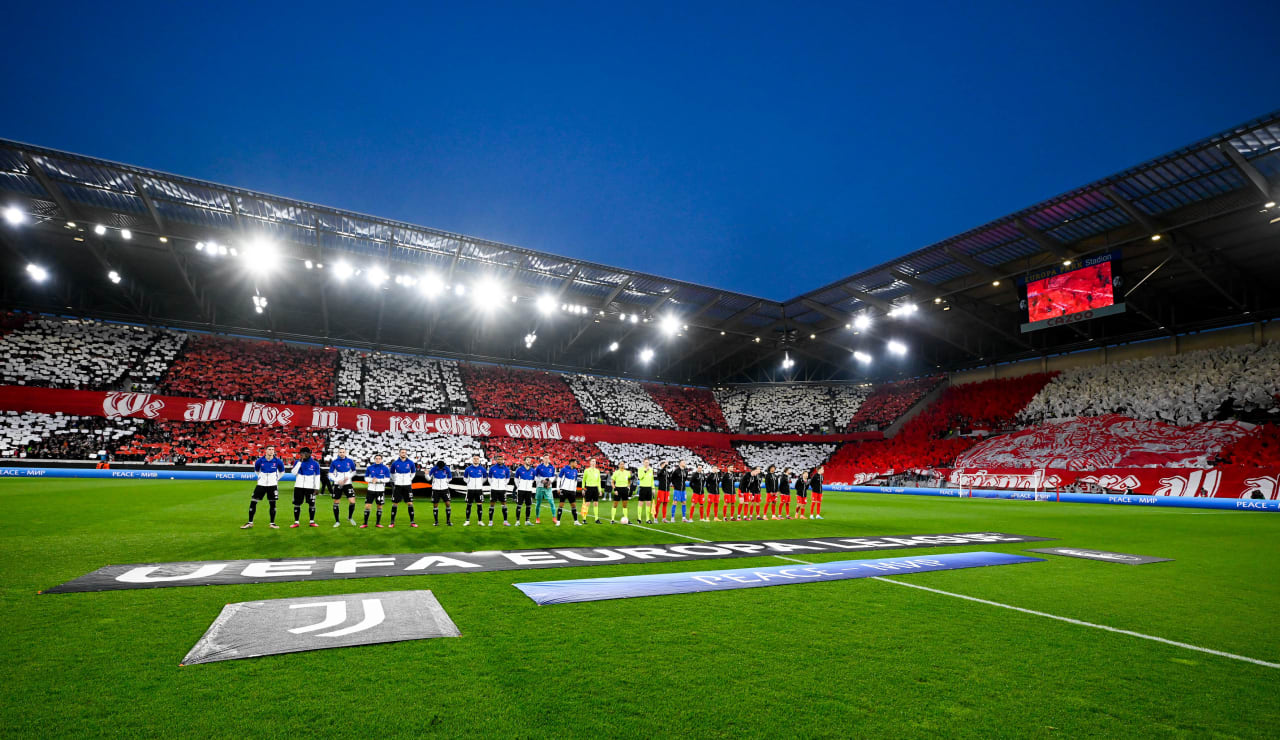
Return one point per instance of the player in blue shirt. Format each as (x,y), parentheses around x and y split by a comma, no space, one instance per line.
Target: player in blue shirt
(402,471)
(269,469)
(376,478)
(545,477)
(499,480)
(342,472)
(525,480)
(440,476)
(568,485)
(306,485)
(473,475)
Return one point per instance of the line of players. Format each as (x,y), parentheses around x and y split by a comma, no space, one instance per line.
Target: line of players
(706,493)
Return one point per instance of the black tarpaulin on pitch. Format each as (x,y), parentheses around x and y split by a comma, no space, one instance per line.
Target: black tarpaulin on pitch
(251,629)
(235,572)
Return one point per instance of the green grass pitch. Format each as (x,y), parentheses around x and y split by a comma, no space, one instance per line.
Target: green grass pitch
(842,659)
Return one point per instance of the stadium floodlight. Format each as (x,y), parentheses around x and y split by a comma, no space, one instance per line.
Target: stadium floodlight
(622,317)
(199,246)
(72,225)
(164,240)
(514,298)
(99,229)
(613,346)
(1066,263)
(37,273)
(1269,204)
(646,354)
(14,216)
(309,264)
(634,318)
(670,325)
(261,253)
(377,276)
(460,289)
(489,293)
(114,277)
(896,347)
(126,234)
(862,357)
(995,283)
(546,304)
(341,270)
(787,362)
(529,339)
(1155,237)
(862,322)
(906,309)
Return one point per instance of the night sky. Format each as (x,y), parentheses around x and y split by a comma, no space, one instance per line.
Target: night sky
(764,148)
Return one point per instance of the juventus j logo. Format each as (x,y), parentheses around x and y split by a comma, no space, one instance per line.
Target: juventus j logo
(336,613)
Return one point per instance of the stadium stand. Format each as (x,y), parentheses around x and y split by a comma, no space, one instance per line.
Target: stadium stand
(782,409)
(1260,449)
(620,402)
(350,380)
(796,456)
(694,409)
(226,442)
(10,320)
(58,437)
(720,457)
(424,448)
(77,353)
(405,383)
(145,374)
(889,401)
(509,393)
(245,370)
(1179,389)
(845,402)
(733,405)
(561,451)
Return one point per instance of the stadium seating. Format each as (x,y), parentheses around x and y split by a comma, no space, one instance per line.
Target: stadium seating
(406,383)
(694,409)
(80,354)
(788,409)
(59,437)
(1177,389)
(889,401)
(10,320)
(1260,449)
(246,370)
(719,457)
(561,451)
(424,448)
(510,393)
(225,442)
(145,374)
(617,401)
(350,379)
(795,456)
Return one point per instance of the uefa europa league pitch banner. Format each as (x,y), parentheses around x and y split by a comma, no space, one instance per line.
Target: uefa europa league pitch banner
(236,572)
(251,629)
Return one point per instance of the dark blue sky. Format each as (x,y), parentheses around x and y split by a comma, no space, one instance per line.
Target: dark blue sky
(766,148)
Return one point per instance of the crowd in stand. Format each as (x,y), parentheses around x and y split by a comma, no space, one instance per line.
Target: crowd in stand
(694,409)
(562,450)
(224,442)
(510,393)
(404,383)
(790,409)
(785,455)
(425,448)
(1178,389)
(889,401)
(619,402)
(1261,449)
(79,353)
(349,383)
(244,370)
(59,437)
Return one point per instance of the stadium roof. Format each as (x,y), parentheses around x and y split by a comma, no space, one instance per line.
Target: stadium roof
(1201,249)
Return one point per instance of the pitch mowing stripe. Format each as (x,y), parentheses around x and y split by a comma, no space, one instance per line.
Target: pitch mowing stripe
(1069,620)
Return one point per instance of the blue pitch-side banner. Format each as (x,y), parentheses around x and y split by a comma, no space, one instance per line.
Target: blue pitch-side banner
(130,474)
(1178,502)
(661,584)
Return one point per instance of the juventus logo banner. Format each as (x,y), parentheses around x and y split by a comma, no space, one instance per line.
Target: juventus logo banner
(251,629)
(236,572)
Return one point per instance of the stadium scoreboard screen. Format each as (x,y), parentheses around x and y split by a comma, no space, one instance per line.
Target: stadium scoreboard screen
(1064,294)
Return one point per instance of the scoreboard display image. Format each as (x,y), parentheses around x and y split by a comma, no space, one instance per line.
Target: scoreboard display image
(1066,294)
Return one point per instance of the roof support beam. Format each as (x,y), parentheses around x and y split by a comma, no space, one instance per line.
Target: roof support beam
(564,286)
(981,268)
(1250,172)
(1043,240)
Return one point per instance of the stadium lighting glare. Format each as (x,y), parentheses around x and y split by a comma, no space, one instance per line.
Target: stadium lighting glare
(813,336)
(905,309)
(261,254)
(757,339)
(341,270)
(377,276)
(223,250)
(613,347)
(862,357)
(514,299)
(489,294)
(787,362)
(460,289)
(199,246)
(309,264)
(546,304)
(529,339)
(863,321)
(99,229)
(14,216)
(1155,237)
(1269,204)
(37,273)
(670,325)
(897,348)
(164,240)
(126,234)
(635,319)
(259,302)
(622,317)
(114,277)
(72,225)
(646,354)
(995,283)
(722,334)
(1066,263)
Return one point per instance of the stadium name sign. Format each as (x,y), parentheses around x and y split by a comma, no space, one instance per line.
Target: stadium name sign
(121,405)
(236,572)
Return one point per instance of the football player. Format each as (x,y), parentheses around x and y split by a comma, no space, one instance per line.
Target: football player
(269,469)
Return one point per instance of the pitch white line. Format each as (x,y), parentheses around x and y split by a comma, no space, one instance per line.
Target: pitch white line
(1068,620)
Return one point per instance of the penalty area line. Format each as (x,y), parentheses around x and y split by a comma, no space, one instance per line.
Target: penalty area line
(1068,620)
